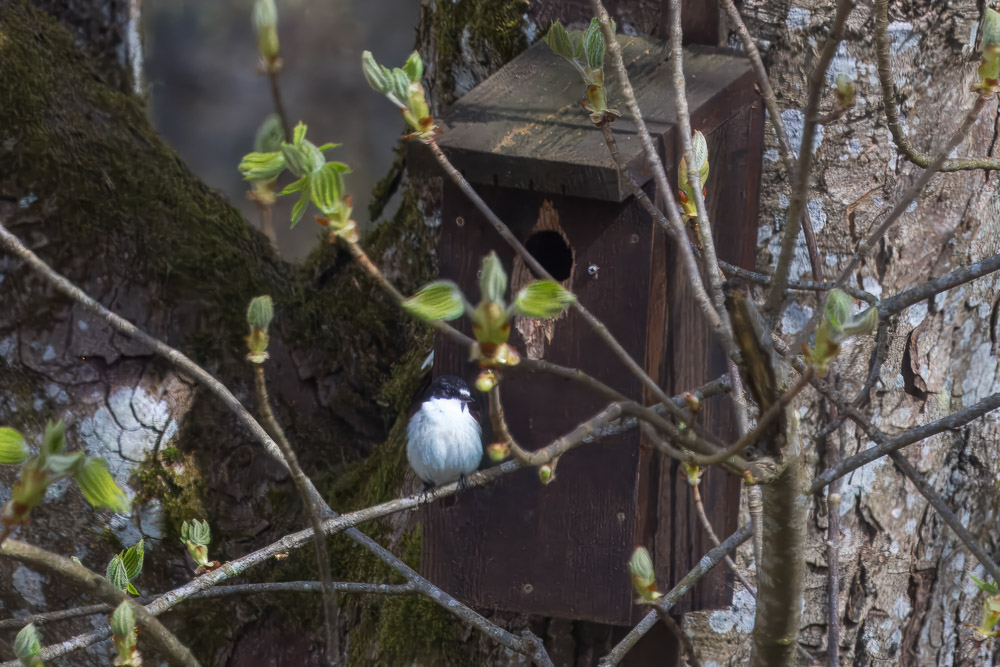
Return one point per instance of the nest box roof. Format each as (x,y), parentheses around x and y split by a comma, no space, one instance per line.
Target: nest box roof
(524,127)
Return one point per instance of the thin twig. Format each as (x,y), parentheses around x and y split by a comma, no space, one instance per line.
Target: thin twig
(866,245)
(663,189)
(96,585)
(682,637)
(833,558)
(886,81)
(946,513)
(799,285)
(525,644)
(598,327)
(264,588)
(673,228)
(765,420)
(13,245)
(706,525)
(664,604)
(903,300)
(800,183)
(703,227)
(951,422)
(774,116)
(331,614)
(279,108)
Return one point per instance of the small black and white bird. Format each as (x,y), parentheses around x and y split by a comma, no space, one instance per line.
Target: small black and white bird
(444,439)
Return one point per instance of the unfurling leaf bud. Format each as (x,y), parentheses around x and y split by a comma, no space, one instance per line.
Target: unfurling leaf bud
(27,646)
(55,438)
(486,381)
(845,91)
(260,312)
(99,487)
(545,474)
(376,75)
(123,620)
(196,536)
(692,473)
(559,41)
(543,299)
(124,635)
(492,279)
(490,324)
(498,451)
(414,67)
(436,301)
(265,21)
(643,576)
(692,401)
(12,447)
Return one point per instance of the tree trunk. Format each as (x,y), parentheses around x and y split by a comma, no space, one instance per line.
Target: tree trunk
(89,186)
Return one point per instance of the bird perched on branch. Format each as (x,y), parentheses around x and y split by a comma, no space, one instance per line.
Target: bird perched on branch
(444,439)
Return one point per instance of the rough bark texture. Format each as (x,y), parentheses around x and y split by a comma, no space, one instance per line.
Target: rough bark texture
(90,187)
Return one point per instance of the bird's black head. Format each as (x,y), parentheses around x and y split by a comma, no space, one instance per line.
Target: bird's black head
(449,386)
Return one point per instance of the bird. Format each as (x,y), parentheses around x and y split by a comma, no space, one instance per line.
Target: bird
(444,439)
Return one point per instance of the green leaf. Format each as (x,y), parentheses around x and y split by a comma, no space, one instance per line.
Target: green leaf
(862,324)
(375,74)
(265,14)
(299,133)
(985,586)
(269,135)
(492,279)
(340,167)
(440,300)
(544,298)
(559,41)
(593,45)
(133,557)
(12,447)
(990,28)
(400,85)
(55,437)
(116,573)
(300,207)
(414,67)
(838,308)
(327,188)
(299,159)
(27,645)
(699,150)
(260,312)
(196,532)
(296,186)
(262,166)
(328,146)
(63,464)
(123,620)
(132,589)
(99,488)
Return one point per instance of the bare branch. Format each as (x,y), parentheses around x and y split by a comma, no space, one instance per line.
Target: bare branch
(952,421)
(599,328)
(330,610)
(683,639)
(800,285)
(903,300)
(102,589)
(664,604)
(938,503)
(886,80)
(800,188)
(218,592)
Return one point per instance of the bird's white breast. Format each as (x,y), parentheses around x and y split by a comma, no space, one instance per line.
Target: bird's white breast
(444,441)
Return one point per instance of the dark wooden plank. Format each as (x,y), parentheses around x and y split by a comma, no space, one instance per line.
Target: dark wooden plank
(733,197)
(562,549)
(524,128)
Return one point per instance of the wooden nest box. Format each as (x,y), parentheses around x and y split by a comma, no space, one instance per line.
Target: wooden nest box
(522,139)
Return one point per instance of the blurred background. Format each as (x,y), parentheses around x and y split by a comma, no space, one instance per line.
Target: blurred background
(207,99)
